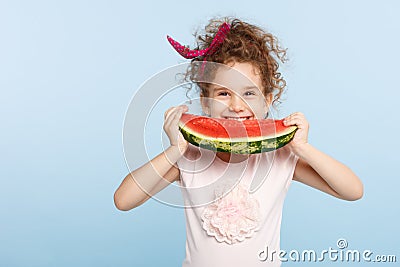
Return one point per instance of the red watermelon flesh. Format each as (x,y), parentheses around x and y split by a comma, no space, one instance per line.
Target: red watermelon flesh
(219,128)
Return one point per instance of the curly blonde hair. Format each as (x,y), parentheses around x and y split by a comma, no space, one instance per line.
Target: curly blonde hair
(244,43)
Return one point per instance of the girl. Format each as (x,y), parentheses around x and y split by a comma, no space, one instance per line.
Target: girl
(227,223)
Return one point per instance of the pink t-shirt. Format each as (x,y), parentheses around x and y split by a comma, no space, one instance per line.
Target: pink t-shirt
(234,210)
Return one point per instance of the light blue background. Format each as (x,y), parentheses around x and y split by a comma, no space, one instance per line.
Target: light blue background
(68,70)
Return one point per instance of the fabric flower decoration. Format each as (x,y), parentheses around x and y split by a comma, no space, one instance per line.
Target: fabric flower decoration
(232,218)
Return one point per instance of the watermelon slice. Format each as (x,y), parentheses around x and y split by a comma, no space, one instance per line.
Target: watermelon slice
(239,137)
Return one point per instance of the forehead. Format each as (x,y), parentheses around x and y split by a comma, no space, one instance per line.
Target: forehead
(237,77)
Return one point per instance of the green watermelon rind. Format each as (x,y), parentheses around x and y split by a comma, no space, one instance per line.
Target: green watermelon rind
(241,147)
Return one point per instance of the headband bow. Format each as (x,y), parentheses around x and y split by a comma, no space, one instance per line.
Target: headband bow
(193,53)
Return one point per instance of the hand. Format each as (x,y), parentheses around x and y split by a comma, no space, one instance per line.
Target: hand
(171,128)
(301,135)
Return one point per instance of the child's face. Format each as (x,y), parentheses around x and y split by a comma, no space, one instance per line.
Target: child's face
(236,94)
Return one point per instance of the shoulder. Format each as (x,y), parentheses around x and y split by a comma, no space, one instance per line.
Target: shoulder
(285,154)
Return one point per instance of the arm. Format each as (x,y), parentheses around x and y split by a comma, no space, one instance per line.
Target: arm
(171,176)
(139,185)
(324,173)
(319,170)
(152,177)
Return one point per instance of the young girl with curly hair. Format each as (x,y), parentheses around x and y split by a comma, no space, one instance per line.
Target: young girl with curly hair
(229,223)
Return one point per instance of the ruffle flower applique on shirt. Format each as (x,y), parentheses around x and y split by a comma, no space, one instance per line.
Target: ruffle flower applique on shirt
(233,218)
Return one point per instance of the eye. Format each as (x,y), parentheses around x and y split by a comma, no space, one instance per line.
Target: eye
(249,93)
(223,93)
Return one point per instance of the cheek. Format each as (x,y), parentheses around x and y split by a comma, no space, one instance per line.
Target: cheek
(218,103)
(256,104)
(258,108)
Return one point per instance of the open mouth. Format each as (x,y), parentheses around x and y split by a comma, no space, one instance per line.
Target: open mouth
(239,118)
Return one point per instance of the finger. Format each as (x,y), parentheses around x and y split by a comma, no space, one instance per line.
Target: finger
(168,122)
(168,119)
(291,119)
(173,117)
(295,114)
(177,116)
(299,122)
(185,108)
(172,114)
(173,125)
(168,112)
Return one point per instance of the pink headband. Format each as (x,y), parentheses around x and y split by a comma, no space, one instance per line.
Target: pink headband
(216,42)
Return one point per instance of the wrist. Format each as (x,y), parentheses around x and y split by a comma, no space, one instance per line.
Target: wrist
(302,150)
(174,152)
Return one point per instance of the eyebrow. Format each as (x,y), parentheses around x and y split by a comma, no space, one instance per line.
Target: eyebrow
(244,88)
(251,87)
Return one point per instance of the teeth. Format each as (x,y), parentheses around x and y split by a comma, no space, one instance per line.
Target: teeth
(238,119)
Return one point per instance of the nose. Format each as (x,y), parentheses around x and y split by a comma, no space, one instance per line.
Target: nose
(236,104)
